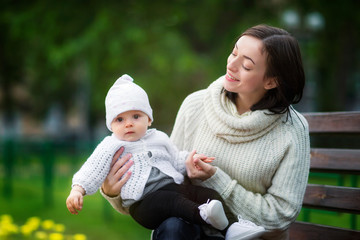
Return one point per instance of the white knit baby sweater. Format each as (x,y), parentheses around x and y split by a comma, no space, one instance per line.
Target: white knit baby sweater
(163,155)
(262,159)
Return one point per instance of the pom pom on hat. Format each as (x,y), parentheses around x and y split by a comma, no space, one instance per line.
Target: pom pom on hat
(125,96)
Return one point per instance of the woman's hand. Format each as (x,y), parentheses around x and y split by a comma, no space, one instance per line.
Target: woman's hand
(118,175)
(196,168)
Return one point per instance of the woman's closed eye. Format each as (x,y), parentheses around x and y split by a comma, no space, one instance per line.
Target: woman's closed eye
(246,68)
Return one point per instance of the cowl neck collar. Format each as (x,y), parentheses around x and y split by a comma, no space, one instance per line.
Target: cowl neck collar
(235,129)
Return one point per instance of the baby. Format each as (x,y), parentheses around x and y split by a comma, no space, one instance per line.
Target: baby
(155,190)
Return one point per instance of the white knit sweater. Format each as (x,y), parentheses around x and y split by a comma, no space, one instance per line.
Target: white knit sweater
(164,156)
(262,160)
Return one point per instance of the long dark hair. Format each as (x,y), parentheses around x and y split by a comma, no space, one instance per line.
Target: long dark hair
(284,63)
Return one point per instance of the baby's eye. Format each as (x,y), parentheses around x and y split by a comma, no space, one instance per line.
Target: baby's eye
(119,119)
(136,116)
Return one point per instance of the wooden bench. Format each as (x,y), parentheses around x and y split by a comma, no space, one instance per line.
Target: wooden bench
(342,158)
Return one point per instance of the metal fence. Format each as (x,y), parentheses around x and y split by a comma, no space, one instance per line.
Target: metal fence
(46,152)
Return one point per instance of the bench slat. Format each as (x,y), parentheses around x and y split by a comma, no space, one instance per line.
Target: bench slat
(310,231)
(339,129)
(333,122)
(334,198)
(335,160)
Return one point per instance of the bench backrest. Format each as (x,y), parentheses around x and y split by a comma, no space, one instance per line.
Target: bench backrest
(338,159)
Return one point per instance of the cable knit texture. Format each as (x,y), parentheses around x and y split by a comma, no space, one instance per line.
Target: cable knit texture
(164,156)
(262,159)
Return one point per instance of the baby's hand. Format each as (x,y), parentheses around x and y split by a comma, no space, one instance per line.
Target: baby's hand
(204,158)
(74,202)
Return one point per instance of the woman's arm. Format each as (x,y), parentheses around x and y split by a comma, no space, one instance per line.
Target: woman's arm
(116,179)
(279,206)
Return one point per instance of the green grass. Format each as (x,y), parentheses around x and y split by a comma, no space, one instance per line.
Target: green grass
(97,220)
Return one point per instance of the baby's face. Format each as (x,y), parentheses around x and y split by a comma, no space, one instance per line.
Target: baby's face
(131,125)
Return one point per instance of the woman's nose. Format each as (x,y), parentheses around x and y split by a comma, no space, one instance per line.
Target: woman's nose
(232,64)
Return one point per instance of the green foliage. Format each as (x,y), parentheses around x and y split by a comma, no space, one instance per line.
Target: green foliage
(58,50)
(64,48)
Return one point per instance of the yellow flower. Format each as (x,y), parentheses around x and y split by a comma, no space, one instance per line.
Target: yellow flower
(40,235)
(9,228)
(31,225)
(5,218)
(59,227)
(3,233)
(79,237)
(47,224)
(26,230)
(34,222)
(56,236)
(51,231)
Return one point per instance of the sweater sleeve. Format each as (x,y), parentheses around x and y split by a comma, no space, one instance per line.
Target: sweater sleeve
(116,203)
(281,204)
(94,171)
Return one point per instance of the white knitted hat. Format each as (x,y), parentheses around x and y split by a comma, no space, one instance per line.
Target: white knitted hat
(124,96)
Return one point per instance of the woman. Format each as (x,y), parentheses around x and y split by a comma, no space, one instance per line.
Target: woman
(245,120)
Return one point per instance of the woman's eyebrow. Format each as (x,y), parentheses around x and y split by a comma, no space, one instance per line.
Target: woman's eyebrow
(249,58)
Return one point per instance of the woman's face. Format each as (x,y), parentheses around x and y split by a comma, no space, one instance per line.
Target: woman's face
(246,67)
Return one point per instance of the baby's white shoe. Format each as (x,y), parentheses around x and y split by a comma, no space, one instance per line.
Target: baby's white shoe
(244,230)
(213,213)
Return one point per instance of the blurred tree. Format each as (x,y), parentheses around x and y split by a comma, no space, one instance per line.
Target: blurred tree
(63,52)
(170,49)
(335,52)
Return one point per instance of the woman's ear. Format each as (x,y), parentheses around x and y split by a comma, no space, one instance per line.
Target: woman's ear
(270,83)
